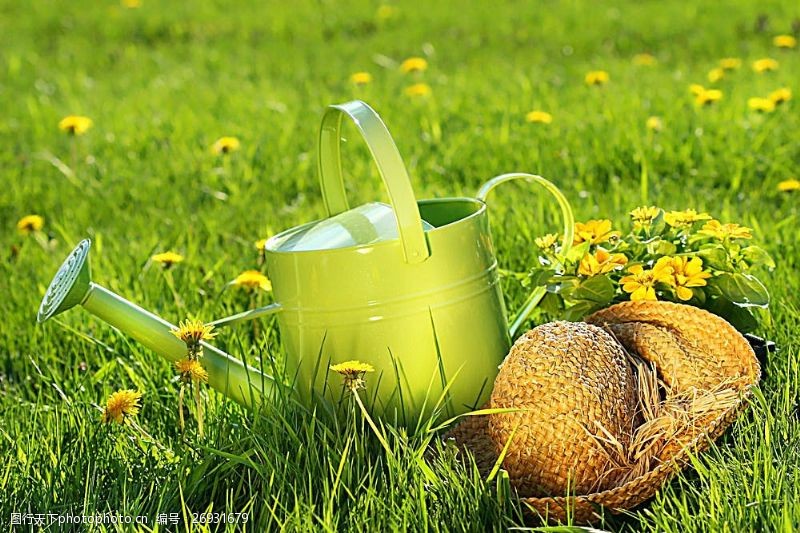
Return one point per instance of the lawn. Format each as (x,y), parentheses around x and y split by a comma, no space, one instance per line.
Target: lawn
(163,81)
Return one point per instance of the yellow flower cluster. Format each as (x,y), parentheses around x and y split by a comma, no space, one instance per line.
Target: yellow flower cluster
(594,232)
(680,273)
(601,262)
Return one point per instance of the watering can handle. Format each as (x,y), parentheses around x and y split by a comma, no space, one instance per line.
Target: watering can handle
(569,231)
(390,166)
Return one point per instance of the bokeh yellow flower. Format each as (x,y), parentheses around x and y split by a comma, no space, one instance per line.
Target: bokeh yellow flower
(784,41)
(762,105)
(132,4)
(191,332)
(641,283)
(594,232)
(541,117)
(30,223)
(167,259)
(645,60)
(779,96)
(414,64)
(789,185)
(546,242)
(252,279)
(696,89)
(730,63)
(644,216)
(716,74)
(353,372)
(601,262)
(225,145)
(260,244)
(713,228)
(75,124)
(418,90)
(191,370)
(708,96)
(682,219)
(360,78)
(385,12)
(686,273)
(654,124)
(597,77)
(766,64)
(121,405)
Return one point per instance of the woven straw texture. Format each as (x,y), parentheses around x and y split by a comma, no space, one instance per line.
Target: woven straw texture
(691,349)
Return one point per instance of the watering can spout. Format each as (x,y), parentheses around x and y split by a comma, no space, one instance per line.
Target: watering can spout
(72,286)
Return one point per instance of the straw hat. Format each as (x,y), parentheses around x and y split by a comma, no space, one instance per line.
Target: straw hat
(689,373)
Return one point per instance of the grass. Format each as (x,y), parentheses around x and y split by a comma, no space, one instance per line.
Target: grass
(164,81)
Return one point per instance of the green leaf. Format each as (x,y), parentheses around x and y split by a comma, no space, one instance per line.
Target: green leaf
(598,289)
(756,256)
(715,256)
(739,317)
(742,289)
(576,253)
(581,309)
(552,304)
(540,276)
(661,247)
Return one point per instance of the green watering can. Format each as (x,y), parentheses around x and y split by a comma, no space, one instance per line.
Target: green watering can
(411,288)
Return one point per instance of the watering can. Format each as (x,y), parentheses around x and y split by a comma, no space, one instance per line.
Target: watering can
(410,287)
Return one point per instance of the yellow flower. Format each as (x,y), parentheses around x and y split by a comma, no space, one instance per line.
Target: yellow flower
(385,12)
(546,242)
(789,185)
(121,404)
(602,262)
(784,41)
(645,60)
(542,117)
(716,74)
(596,77)
(654,124)
(191,370)
(414,64)
(682,219)
(191,332)
(252,279)
(644,216)
(779,96)
(765,65)
(686,273)
(30,223)
(132,4)
(225,145)
(762,105)
(353,372)
(594,232)
(730,63)
(260,244)
(641,283)
(696,89)
(75,124)
(708,96)
(361,78)
(418,90)
(713,228)
(167,259)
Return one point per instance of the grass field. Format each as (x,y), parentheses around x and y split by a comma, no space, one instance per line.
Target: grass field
(162,82)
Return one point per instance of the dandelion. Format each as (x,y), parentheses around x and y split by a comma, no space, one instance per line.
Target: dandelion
(75,124)
(654,124)
(546,242)
(730,63)
(762,105)
(644,216)
(696,89)
(252,279)
(260,244)
(414,64)
(353,372)
(708,96)
(418,90)
(602,262)
(360,78)
(644,60)
(594,232)
(715,75)
(682,219)
(784,41)
(132,4)
(167,259)
(596,77)
(192,332)
(641,283)
(791,185)
(779,96)
(686,273)
(191,370)
(540,117)
(713,228)
(225,145)
(766,64)
(30,223)
(121,405)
